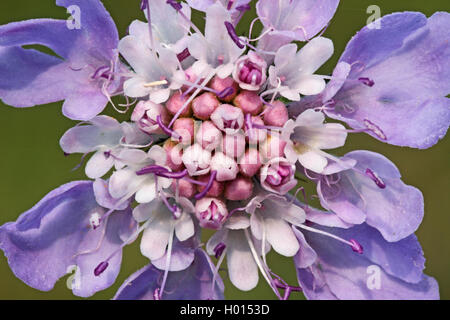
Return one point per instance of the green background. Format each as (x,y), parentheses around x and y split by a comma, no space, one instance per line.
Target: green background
(32,163)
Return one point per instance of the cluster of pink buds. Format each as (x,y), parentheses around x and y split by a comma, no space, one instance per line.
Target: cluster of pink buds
(223,141)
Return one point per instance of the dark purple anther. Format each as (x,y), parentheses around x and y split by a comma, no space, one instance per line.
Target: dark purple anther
(151,169)
(230,4)
(143,5)
(172,175)
(177,6)
(100,72)
(356,246)
(183,55)
(225,92)
(233,35)
(375,178)
(218,250)
(166,130)
(367,81)
(101,268)
(212,177)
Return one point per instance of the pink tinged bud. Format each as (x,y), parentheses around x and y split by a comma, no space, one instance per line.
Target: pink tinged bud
(175,102)
(276,115)
(196,160)
(173,155)
(101,268)
(211,212)
(228,118)
(233,145)
(250,163)
(240,188)
(216,189)
(184,127)
(227,169)
(185,188)
(219,85)
(250,71)
(208,136)
(278,176)
(249,102)
(254,135)
(273,147)
(204,105)
(145,114)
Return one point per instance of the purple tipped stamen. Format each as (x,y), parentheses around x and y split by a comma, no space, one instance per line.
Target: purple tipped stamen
(143,4)
(233,35)
(375,178)
(356,246)
(230,4)
(177,6)
(101,268)
(212,177)
(367,81)
(243,8)
(167,130)
(218,250)
(152,169)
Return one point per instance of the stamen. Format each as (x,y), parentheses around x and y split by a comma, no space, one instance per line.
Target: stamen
(151,169)
(243,8)
(212,177)
(367,81)
(375,129)
(233,35)
(177,6)
(172,175)
(149,20)
(375,178)
(101,268)
(166,130)
(183,55)
(218,250)
(168,258)
(225,92)
(352,242)
(230,4)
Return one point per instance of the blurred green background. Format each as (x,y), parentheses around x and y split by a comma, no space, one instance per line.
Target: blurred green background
(32,163)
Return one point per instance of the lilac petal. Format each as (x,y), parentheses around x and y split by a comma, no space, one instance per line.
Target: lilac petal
(104,198)
(396,211)
(313,284)
(346,273)
(42,245)
(194,283)
(181,258)
(293,20)
(306,255)
(29,77)
(407,104)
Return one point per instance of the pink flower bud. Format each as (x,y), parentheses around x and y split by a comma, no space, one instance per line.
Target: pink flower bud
(227,168)
(185,128)
(228,118)
(250,71)
(196,160)
(276,115)
(233,145)
(250,163)
(145,113)
(249,102)
(185,188)
(204,105)
(240,188)
(255,135)
(211,212)
(216,189)
(175,102)
(173,153)
(273,147)
(208,136)
(278,176)
(219,84)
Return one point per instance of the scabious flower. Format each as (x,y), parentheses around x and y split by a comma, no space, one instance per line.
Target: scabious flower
(223,136)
